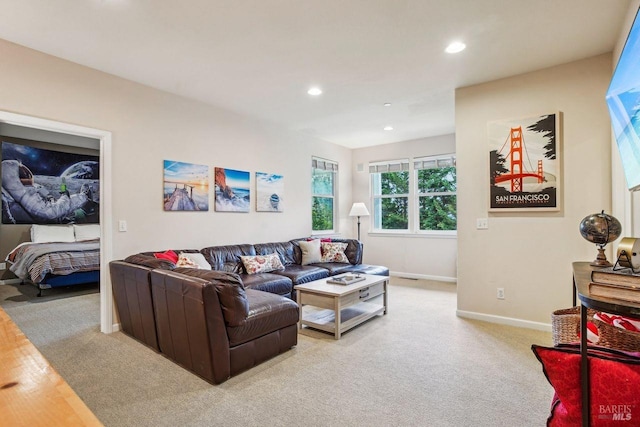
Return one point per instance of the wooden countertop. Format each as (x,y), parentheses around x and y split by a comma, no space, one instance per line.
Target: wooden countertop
(32,393)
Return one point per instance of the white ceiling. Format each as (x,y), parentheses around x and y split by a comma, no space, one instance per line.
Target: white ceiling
(259,57)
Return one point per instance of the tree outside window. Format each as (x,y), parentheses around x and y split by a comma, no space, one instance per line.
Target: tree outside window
(390,190)
(323,194)
(437,198)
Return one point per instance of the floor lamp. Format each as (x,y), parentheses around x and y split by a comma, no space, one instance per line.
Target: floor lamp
(359,209)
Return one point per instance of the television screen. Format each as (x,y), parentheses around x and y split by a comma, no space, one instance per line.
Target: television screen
(623,100)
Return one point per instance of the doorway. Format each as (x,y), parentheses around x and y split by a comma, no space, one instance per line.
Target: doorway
(106,298)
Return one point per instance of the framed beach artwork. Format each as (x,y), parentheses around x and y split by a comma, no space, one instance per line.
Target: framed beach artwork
(186,186)
(269,192)
(233,193)
(525,164)
(41,186)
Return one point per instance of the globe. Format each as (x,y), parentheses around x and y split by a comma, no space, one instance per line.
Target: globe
(600,228)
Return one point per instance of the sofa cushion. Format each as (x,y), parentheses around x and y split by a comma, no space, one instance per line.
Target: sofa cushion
(268,282)
(285,250)
(197,258)
(231,293)
(227,258)
(303,273)
(262,263)
(333,252)
(267,313)
(169,255)
(311,252)
(335,267)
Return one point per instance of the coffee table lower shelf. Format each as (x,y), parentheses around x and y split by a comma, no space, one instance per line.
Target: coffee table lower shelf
(324,319)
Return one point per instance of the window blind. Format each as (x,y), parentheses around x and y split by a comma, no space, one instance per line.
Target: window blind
(327,165)
(434,162)
(389,166)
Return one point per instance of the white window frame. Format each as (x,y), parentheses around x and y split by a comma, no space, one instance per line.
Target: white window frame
(331,166)
(397,165)
(412,165)
(431,162)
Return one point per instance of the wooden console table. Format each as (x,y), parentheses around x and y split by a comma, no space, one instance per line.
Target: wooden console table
(32,393)
(581,278)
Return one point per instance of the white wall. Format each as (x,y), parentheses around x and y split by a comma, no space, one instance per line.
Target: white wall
(409,256)
(149,126)
(530,254)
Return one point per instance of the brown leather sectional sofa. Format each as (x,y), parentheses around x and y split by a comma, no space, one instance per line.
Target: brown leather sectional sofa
(220,322)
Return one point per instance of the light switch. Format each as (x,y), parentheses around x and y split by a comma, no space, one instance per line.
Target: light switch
(482,223)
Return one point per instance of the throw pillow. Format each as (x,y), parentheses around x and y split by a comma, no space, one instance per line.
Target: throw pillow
(169,255)
(198,259)
(334,252)
(183,261)
(262,263)
(86,232)
(310,251)
(52,233)
(614,377)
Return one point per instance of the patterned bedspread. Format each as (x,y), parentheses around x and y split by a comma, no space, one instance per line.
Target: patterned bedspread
(35,260)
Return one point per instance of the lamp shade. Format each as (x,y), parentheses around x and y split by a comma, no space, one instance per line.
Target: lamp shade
(359,209)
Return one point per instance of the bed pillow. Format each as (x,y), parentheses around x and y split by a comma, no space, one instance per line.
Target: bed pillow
(168,255)
(310,251)
(183,261)
(614,377)
(86,232)
(52,233)
(334,252)
(197,258)
(262,263)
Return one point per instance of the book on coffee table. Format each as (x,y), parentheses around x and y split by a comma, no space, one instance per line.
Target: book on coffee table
(346,279)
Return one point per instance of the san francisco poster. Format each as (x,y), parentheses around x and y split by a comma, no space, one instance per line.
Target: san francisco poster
(524,164)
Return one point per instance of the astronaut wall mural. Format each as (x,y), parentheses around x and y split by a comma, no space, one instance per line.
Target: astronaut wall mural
(49,187)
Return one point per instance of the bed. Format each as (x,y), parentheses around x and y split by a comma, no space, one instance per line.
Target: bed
(58,256)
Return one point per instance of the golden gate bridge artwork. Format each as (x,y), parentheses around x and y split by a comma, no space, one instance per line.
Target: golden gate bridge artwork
(524,163)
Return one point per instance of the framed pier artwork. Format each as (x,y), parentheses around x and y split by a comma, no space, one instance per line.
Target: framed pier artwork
(186,186)
(525,164)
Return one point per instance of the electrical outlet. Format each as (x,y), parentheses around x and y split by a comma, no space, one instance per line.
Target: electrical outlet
(500,294)
(3,265)
(122,225)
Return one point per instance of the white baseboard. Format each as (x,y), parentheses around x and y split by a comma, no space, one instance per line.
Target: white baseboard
(10,281)
(423,276)
(115,327)
(504,320)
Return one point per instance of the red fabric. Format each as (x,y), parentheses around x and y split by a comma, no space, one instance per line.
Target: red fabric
(615,382)
(168,255)
(324,239)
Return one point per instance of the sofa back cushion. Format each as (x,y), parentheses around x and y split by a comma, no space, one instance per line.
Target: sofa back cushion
(285,251)
(227,258)
(230,289)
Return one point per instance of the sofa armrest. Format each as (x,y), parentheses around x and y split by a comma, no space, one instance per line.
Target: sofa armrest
(190,324)
(230,289)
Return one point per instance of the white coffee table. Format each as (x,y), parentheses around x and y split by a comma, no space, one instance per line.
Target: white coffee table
(338,308)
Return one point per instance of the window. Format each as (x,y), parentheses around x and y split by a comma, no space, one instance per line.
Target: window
(419,201)
(323,189)
(390,192)
(436,193)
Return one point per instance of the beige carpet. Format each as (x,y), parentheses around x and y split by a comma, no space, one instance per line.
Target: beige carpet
(419,365)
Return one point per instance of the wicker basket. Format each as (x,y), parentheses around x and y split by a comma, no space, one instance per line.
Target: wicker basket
(565,325)
(617,338)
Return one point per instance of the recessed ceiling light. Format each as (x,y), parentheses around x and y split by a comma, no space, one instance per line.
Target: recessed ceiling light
(455,47)
(387,104)
(387,128)
(314,91)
